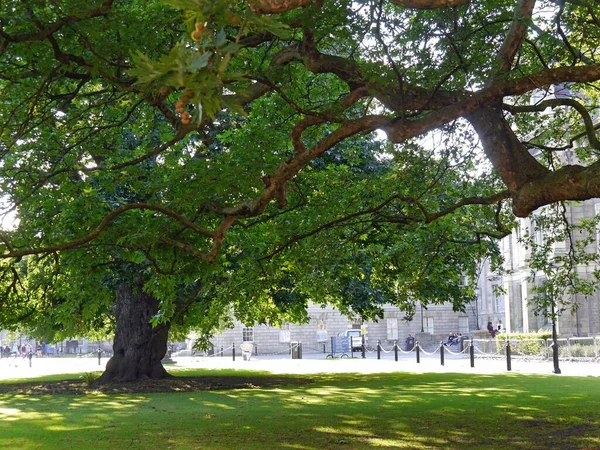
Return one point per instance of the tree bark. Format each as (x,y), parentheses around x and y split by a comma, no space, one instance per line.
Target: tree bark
(138,346)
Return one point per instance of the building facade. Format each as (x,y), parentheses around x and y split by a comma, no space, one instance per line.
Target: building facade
(428,326)
(512,304)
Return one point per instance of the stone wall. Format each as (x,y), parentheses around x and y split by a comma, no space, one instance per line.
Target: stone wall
(327,322)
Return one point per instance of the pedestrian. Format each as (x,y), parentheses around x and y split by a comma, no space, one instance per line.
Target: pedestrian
(491,329)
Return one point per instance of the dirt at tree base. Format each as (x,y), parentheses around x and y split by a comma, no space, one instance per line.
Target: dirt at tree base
(175,384)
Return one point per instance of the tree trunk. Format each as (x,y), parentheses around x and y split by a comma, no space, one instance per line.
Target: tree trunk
(138,347)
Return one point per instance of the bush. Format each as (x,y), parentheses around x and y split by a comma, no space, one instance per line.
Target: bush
(90,377)
(532,344)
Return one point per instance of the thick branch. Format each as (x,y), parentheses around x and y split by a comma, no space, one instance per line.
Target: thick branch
(508,155)
(276,6)
(430,4)
(590,130)
(515,36)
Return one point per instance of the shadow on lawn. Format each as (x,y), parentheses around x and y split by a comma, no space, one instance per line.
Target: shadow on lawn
(345,411)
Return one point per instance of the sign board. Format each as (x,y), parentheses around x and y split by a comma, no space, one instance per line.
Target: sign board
(340,344)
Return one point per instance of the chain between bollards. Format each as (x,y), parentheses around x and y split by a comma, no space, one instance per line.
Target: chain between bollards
(442,353)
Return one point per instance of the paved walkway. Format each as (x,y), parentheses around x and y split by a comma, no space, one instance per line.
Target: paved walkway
(19,368)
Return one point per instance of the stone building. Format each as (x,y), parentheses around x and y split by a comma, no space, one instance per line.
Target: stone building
(513,307)
(429,326)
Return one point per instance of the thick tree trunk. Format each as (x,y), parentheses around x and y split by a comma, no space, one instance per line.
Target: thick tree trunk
(138,347)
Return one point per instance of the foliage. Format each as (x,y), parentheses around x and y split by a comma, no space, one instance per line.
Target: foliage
(233,161)
(557,247)
(534,344)
(90,377)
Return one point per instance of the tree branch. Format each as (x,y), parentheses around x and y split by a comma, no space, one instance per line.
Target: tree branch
(514,37)
(590,130)
(103,225)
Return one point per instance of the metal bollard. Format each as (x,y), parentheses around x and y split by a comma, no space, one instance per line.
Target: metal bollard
(233,351)
(363,347)
(378,349)
(442,353)
(99,357)
(255,349)
(508,362)
(418,351)
(396,350)
(30,355)
(222,351)
(472,353)
(299,350)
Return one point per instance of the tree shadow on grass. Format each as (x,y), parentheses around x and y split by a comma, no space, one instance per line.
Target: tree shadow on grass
(345,411)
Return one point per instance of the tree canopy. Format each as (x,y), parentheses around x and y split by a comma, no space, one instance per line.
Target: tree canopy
(215,153)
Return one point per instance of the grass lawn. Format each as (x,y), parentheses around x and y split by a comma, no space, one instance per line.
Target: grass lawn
(341,411)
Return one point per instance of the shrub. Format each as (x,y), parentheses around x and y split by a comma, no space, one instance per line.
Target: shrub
(90,377)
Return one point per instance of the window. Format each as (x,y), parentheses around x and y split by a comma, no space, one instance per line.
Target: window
(284,333)
(392,329)
(463,325)
(498,296)
(597,211)
(321,330)
(248,334)
(428,325)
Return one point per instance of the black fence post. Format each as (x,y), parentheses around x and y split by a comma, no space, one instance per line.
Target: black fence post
(508,361)
(442,353)
(418,351)
(222,354)
(396,350)
(30,355)
(256,349)
(299,350)
(472,352)
(233,351)
(378,349)
(332,348)
(99,356)
(363,347)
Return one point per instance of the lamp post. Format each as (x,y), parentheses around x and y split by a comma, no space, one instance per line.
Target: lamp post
(554,340)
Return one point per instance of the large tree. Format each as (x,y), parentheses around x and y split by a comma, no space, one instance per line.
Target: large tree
(138,135)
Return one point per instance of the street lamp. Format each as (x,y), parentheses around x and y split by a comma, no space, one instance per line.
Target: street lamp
(554,340)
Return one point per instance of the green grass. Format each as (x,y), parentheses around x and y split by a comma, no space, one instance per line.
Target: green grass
(341,411)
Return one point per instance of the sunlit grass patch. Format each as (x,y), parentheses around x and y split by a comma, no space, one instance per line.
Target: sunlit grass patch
(341,411)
